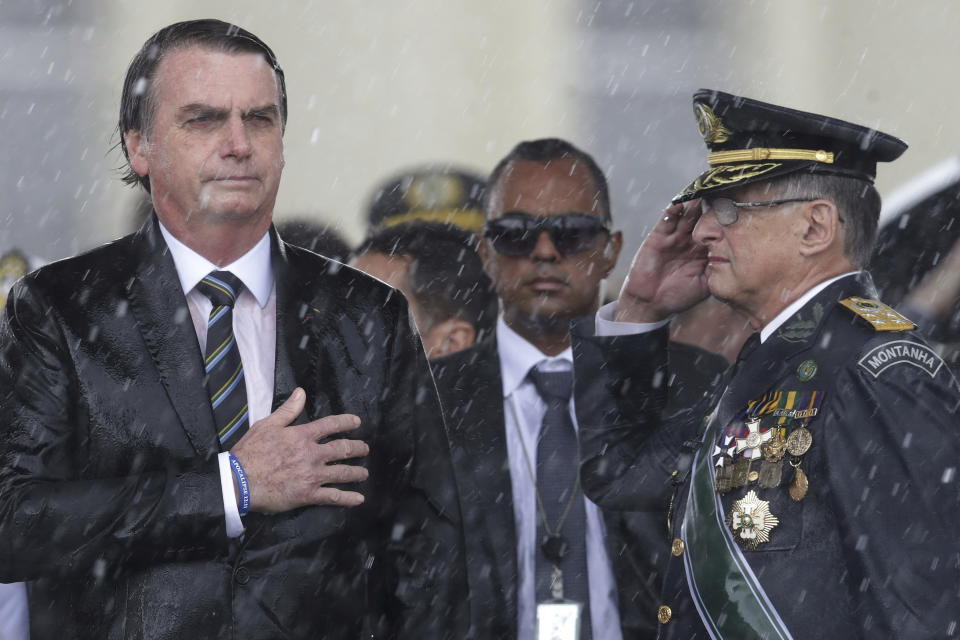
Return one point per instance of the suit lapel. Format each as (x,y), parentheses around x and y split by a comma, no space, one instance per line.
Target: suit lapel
(296,338)
(478,438)
(160,308)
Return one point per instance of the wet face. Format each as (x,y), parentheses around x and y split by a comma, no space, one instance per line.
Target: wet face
(214,153)
(751,261)
(542,291)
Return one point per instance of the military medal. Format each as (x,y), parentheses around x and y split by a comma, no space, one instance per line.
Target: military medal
(724,480)
(750,445)
(751,521)
(799,441)
(800,484)
(741,473)
(770,475)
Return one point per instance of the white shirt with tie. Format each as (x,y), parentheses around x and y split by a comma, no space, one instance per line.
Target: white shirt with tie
(254,326)
(523,414)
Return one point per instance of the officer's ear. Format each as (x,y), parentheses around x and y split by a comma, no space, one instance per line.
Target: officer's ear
(136,145)
(449,336)
(823,228)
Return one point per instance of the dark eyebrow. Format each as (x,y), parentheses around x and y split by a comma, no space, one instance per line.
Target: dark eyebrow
(271,110)
(196,109)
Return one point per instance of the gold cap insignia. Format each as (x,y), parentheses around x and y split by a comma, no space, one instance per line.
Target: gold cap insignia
(434,191)
(882,317)
(751,521)
(13,266)
(711,127)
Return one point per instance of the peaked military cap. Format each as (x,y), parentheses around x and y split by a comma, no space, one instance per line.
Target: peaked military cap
(443,195)
(750,141)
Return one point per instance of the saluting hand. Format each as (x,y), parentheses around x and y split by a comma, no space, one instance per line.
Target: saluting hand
(287,468)
(667,275)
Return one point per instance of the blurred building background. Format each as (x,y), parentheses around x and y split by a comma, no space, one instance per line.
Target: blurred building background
(378,86)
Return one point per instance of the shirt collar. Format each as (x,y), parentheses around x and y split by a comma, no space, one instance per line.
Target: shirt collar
(797,304)
(517,357)
(253,268)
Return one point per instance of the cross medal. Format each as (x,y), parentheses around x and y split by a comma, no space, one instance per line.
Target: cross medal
(750,445)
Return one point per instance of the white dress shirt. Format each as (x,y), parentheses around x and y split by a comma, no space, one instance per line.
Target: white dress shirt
(523,415)
(254,326)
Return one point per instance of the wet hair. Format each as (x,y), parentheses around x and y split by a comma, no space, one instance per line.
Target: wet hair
(543,151)
(445,275)
(137,103)
(857,201)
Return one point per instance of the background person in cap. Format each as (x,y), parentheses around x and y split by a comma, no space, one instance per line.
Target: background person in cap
(437,268)
(173,461)
(815,494)
(443,195)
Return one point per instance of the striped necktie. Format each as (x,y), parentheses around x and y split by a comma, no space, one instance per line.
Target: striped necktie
(224,370)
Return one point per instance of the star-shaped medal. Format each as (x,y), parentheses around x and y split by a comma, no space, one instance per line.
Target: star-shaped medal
(750,446)
(751,521)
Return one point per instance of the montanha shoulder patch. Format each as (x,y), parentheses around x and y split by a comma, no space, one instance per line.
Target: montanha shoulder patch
(890,354)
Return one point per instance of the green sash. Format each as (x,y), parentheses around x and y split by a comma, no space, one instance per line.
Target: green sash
(728,596)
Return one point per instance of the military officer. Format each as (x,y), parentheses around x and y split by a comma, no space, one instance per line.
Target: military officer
(814,492)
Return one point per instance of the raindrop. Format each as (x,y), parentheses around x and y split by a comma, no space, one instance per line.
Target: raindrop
(948,474)
(140,87)
(907,439)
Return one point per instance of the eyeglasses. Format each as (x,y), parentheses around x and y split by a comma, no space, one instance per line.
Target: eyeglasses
(728,211)
(516,234)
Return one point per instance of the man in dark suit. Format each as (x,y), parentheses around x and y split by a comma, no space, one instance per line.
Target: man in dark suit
(172,453)
(547,247)
(814,493)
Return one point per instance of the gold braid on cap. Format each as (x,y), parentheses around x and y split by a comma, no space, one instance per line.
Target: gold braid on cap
(761,153)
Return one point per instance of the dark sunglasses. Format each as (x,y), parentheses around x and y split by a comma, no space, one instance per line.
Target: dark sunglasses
(516,234)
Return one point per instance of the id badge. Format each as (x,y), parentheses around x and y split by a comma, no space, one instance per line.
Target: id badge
(559,620)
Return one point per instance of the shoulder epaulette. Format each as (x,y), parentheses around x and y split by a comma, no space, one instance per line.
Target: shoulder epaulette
(882,317)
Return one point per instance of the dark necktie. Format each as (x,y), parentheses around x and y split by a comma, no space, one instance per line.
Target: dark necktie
(225,384)
(561,513)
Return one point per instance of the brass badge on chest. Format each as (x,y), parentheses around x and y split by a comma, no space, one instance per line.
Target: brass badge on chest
(751,521)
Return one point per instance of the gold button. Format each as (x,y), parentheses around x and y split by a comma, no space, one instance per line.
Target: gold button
(678,547)
(664,614)
(753,476)
(821,156)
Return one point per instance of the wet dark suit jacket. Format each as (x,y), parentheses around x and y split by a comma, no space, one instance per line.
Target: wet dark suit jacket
(872,550)
(110,497)
(471,392)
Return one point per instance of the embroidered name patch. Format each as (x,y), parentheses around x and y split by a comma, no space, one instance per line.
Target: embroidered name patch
(897,352)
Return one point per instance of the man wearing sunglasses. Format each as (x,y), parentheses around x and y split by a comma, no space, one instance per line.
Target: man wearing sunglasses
(813,493)
(547,246)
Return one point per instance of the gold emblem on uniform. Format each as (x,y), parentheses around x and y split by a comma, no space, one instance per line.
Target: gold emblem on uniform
(434,191)
(882,317)
(664,614)
(751,521)
(677,547)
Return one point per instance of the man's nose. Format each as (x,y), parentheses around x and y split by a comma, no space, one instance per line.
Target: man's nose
(544,249)
(237,140)
(707,229)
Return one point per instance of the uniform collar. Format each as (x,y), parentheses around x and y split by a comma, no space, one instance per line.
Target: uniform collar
(798,304)
(253,268)
(518,356)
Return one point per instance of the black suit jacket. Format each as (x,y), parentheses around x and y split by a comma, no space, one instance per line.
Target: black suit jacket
(471,392)
(871,551)
(110,498)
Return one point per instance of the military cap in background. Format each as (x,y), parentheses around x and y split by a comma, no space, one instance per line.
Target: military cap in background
(751,141)
(14,264)
(443,195)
